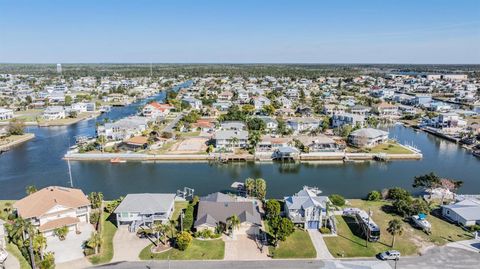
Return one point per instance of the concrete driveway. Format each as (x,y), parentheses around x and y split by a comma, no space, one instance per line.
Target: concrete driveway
(319,244)
(242,247)
(127,245)
(72,247)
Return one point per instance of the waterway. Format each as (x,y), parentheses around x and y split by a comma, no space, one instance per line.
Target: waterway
(39,162)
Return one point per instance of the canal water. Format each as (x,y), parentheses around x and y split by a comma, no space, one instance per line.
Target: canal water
(39,162)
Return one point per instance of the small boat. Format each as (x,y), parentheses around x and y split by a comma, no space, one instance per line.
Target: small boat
(421,222)
(117,160)
(476,153)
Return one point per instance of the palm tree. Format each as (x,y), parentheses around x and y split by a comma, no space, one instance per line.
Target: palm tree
(160,230)
(39,244)
(233,222)
(395,228)
(30,189)
(8,208)
(102,140)
(250,186)
(95,241)
(172,228)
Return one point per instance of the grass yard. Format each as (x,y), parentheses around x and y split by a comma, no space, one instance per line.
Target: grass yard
(13,250)
(198,250)
(350,243)
(179,206)
(106,249)
(298,245)
(390,148)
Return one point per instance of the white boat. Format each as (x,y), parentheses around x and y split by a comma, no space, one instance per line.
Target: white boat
(104,109)
(420,221)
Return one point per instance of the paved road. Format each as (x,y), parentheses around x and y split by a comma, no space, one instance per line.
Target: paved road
(171,125)
(441,257)
(436,258)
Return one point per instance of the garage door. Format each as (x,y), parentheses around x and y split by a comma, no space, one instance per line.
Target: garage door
(313,224)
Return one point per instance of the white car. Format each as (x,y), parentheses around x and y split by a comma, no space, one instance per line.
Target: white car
(389,255)
(3,255)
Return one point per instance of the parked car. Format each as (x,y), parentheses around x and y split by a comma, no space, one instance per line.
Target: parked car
(389,255)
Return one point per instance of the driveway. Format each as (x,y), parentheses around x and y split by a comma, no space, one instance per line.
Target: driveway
(319,244)
(72,247)
(127,245)
(242,247)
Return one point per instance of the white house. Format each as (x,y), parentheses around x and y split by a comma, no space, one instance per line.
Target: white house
(193,102)
(54,207)
(367,137)
(230,139)
(123,128)
(271,124)
(303,124)
(54,113)
(5,113)
(83,107)
(465,213)
(339,120)
(155,109)
(260,101)
(144,209)
(306,207)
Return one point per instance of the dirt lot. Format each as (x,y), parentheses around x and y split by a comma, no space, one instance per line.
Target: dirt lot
(190,145)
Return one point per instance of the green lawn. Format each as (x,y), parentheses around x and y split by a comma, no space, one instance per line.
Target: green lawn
(179,206)
(298,245)
(198,250)
(13,250)
(106,249)
(350,243)
(390,148)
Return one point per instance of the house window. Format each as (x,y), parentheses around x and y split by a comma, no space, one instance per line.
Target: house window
(124,214)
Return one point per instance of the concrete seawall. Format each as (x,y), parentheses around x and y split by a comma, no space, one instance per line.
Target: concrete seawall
(26,137)
(324,156)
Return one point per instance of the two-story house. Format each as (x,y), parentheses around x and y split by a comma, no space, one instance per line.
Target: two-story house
(306,207)
(144,209)
(54,207)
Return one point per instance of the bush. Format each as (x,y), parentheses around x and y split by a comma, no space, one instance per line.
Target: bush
(87,251)
(325,230)
(374,196)
(337,200)
(183,240)
(398,194)
(188,218)
(206,234)
(475,228)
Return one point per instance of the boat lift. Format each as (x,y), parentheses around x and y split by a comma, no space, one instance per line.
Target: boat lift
(186,193)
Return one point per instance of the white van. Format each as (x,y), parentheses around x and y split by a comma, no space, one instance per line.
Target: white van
(390,255)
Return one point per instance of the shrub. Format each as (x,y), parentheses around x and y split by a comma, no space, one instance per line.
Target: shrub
(206,234)
(337,199)
(325,230)
(398,194)
(61,232)
(188,218)
(87,251)
(374,196)
(183,240)
(475,228)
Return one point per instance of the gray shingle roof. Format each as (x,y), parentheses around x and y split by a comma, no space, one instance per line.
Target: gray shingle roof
(212,213)
(146,203)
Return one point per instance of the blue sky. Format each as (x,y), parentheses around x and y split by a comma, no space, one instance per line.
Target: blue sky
(234,31)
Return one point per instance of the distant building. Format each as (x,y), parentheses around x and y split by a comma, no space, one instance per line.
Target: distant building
(6,114)
(59,68)
(367,137)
